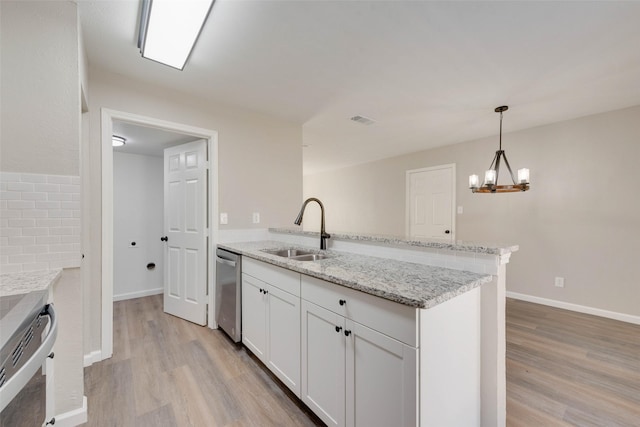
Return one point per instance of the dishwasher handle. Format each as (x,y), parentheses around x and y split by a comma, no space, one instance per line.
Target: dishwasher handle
(226,262)
(14,384)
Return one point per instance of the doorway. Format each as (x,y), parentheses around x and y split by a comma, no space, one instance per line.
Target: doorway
(111,119)
(431,199)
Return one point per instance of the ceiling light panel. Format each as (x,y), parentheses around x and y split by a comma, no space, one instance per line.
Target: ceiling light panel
(172,28)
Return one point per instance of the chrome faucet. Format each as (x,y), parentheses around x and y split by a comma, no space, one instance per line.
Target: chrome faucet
(323,234)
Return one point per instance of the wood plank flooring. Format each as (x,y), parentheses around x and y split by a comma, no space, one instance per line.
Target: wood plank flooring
(570,369)
(563,369)
(168,372)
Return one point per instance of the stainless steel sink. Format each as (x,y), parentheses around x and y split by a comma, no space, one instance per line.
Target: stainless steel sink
(309,257)
(288,253)
(297,254)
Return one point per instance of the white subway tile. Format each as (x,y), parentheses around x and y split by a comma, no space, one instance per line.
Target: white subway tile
(76,197)
(3,204)
(67,247)
(12,250)
(22,241)
(70,222)
(70,205)
(49,256)
(34,196)
(76,213)
(4,241)
(71,188)
(75,180)
(58,179)
(46,188)
(4,222)
(11,213)
(20,186)
(10,195)
(22,222)
(59,196)
(34,213)
(32,177)
(4,259)
(22,258)
(70,239)
(11,268)
(76,231)
(48,222)
(59,231)
(9,177)
(59,213)
(21,204)
(35,249)
(35,231)
(48,205)
(35,266)
(10,231)
(3,186)
(47,240)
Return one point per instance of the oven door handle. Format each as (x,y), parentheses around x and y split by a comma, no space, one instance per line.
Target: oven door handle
(13,386)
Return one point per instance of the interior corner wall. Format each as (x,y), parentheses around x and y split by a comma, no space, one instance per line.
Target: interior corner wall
(259,158)
(137,225)
(580,220)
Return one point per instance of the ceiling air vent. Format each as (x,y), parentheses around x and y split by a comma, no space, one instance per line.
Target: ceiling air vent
(363,120)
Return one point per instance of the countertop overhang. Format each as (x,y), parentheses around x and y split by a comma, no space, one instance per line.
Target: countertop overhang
(412,284)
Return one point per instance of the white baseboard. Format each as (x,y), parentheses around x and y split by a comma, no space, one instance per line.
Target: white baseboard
(137,294)
(72,418)
(623,317)
(93,357)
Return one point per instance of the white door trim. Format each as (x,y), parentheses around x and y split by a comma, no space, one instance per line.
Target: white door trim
(107,118)
(407,186)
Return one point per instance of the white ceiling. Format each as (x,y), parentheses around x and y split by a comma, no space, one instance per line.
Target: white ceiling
(147,141)
(430,73)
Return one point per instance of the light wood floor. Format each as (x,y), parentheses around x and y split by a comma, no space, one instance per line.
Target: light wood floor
(168,372)
(570,369)
(563,369)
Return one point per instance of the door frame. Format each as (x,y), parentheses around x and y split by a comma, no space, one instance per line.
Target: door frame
(451,166)
(211,136)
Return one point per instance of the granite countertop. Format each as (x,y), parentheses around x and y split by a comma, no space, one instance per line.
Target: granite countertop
(28,281)
(475,247)
(415,285)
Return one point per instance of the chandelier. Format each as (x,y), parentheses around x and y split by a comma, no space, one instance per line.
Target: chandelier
(490,184)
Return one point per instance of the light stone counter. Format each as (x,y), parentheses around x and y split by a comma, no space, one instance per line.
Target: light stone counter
(475,247)
(415,285)
(28,281)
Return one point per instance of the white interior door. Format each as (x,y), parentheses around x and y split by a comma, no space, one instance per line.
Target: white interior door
(185,210)
(430,203)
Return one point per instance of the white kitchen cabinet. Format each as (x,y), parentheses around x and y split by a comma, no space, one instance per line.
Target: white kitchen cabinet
(323,363)
(254,316)
(353,375)
(271,319)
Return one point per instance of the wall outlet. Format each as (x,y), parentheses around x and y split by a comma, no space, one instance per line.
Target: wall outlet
(224,218)
(460,210)
(559,282)
(256,217)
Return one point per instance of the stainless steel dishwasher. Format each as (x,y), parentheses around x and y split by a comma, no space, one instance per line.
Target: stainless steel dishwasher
(229,293)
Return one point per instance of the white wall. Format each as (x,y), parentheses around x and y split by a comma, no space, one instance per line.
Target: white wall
(580,220)
(138,217)
(40,134)
(260,159)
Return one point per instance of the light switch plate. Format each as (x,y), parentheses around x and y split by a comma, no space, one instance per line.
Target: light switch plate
(559,282)
(224,218)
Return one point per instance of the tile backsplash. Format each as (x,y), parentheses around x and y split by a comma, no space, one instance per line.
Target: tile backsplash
(39,221)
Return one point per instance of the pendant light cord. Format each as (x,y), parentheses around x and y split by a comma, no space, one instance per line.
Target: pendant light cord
(500,130)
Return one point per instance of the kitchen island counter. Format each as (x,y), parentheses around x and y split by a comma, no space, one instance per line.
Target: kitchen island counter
(412,284)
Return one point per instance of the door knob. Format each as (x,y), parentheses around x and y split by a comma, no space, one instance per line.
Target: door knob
(447,231)
(164,239)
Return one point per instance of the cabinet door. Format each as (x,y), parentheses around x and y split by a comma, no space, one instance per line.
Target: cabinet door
(323,363)
(283,335)
(254,316)
(381,379)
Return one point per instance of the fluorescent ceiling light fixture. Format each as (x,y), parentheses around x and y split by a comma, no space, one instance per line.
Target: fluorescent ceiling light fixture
(118,141)
(169,29)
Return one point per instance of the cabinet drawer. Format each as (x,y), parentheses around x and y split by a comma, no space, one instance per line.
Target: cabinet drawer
(287,280)
(390,318)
